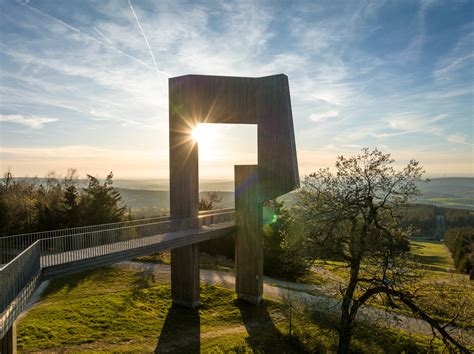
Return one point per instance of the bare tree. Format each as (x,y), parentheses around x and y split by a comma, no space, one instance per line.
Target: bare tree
(210,201)
(353,215)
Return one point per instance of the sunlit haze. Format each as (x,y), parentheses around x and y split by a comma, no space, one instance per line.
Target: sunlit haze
(84,84)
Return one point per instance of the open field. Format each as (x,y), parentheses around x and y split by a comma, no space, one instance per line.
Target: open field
(113,309)
(453,202)
(440,287)
(432,255)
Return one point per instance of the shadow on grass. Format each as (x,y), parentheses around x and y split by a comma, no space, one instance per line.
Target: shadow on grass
(435,263)
(181,332)
(70,282)
(264,336)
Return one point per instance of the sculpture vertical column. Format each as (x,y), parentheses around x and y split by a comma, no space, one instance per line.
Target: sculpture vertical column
(249,238)
(8,342)
(184,200)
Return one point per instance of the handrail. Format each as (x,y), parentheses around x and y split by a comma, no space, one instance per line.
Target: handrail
(165,217)
(64,249)
(11,245)
(20,277)
(15,280)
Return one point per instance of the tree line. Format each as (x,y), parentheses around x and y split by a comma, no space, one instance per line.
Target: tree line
(460,242)
(31,205)
(454,226)
(433,221)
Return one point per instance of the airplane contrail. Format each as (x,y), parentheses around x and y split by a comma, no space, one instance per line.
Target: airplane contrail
(76,30)
(146,40)
(102,35)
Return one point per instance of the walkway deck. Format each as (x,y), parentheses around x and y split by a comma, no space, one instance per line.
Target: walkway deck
(46,255)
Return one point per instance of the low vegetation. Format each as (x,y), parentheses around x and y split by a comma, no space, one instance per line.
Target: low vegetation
(460,242)
(112,309)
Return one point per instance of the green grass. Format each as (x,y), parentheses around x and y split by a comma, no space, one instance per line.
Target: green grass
(439,289)
(431,255)
(119,309)
(116,310)
(468,201)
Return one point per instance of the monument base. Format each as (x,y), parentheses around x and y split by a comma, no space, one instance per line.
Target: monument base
(250,298)
(188,304)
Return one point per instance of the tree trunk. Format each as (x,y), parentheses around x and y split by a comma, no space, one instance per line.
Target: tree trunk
(345,330)
(345,334)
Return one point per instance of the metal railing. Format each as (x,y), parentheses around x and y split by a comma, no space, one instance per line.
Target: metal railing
(18,281)
(20,277)
(12,245)
(70,248)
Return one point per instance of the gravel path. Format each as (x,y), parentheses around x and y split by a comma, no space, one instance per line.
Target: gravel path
(307,294)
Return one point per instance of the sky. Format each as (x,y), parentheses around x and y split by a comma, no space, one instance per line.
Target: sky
(84,84)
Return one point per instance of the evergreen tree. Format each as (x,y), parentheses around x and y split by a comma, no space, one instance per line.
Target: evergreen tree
(101,203)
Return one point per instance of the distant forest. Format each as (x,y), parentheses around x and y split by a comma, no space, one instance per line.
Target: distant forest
(454,226)
(31,205)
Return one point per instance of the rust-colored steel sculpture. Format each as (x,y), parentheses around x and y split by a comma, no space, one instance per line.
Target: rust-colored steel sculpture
(262,101)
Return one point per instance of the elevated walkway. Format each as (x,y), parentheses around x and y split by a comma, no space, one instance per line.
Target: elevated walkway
(30,258)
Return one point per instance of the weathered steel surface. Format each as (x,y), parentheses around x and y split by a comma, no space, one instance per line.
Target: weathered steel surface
(263,101)
(248,240)
(8,342)
(197,99)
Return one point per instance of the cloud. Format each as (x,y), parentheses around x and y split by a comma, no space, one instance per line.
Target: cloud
(92,68)
(458,139)
(28,121)
(321,117)
(456,64)
(457,60)
(80,152)
(411,122)
(108,116)
(124,162)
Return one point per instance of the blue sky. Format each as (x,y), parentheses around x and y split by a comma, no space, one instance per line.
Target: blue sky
(84,83)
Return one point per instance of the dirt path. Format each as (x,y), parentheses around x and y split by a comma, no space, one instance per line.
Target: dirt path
(307,294)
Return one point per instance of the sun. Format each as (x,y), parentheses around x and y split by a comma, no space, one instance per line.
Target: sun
(198,133)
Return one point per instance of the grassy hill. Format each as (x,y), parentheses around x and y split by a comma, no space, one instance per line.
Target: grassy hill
(119,310)
(452,192)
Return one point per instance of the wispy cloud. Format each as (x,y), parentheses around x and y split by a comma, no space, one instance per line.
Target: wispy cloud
(321,117)
(457,63)
(78,151)
(458,139)
(387,135)
(28,121)
(78,31)
(108,116)
(351,65)
(409,121)
(457,59)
